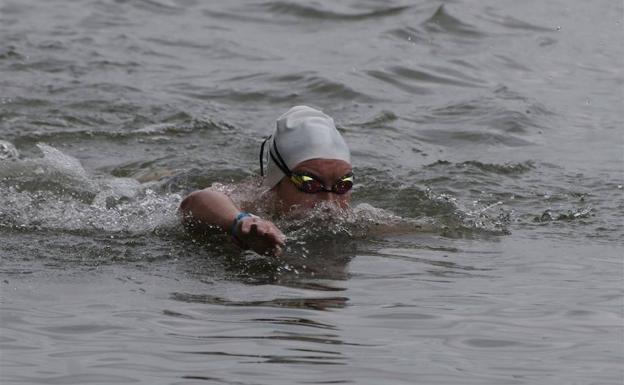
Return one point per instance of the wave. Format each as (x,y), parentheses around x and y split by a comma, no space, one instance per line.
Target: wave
(443,22)
(321,303)
(315,87)
(291,13)
(11,52)
(380,120)
(433,32)
(392,80)
(289,88)
(312,12)
(216,49)
(509,169)
(185,125)
(513,23)
(454,137)
(504,117)
(160,7)
(415,80)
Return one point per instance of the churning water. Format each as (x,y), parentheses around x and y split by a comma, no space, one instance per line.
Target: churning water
(485,241)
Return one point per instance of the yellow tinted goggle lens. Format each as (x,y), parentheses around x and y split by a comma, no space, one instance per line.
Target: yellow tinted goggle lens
(343,185)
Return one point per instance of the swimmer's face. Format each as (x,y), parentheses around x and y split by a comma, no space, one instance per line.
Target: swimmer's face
(328,171)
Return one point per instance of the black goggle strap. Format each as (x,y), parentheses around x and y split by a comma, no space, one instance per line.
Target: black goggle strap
(262,155)
(277,158)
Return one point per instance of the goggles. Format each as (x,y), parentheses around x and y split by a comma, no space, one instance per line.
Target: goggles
(311,185)
(305,182)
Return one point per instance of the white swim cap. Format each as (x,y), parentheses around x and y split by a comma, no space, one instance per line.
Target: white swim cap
(301,134)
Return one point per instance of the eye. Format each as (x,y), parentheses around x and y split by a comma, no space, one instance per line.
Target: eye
(311,185)
(343,185)
(306,183)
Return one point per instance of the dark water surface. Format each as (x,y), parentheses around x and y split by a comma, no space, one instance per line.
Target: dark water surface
(499,123)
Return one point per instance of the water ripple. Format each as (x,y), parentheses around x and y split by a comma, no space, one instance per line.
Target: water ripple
(315,12)
(323,303)
(510,22)
(77,379)
(487,168)
(316,359)
(401,76)
(442,22)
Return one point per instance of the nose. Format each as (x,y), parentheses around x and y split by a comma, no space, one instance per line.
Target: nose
(329,200)
(328,196)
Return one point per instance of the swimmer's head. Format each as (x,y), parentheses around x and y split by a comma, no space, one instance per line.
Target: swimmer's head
(306,142)
(302,133)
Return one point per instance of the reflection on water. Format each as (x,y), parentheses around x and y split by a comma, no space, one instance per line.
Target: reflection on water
(304,303)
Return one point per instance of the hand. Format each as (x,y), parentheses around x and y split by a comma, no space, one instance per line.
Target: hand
(260,235)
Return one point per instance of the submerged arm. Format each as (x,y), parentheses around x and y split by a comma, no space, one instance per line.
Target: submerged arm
(209,210)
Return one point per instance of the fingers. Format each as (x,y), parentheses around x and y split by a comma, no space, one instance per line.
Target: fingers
(277,251)
(261,235)
(254,226)
(277,237)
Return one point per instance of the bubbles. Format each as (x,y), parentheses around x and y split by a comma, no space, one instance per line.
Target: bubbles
(115,191)
(8,151)
(492,218)
(569,215)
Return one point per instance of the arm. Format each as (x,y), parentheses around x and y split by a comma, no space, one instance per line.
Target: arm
(209,209)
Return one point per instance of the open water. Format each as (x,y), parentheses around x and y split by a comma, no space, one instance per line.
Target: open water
(497,123)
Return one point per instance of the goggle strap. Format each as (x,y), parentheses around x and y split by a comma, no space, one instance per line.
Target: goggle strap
(262,155)
(279,161)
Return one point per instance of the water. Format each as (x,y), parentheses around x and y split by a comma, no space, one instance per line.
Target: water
(495,126)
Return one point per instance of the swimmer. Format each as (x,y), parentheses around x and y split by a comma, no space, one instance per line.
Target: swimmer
(308,164)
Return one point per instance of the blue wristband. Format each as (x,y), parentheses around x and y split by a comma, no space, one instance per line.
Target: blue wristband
(238,218)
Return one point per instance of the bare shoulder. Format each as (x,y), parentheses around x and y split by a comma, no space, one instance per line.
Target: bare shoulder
(251,196)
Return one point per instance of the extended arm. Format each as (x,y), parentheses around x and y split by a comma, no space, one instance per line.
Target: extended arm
(209,209)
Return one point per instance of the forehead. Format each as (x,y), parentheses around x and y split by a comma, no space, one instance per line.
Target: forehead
(324,167)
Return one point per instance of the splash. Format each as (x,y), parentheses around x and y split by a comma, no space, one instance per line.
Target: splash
(420,211)
(8,151)
(56,193)
(569,215)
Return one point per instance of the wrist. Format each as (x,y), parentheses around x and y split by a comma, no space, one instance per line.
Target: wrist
(239,217)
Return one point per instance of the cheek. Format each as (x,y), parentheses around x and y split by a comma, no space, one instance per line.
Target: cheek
(344,200)
(302,199)
(290,196)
